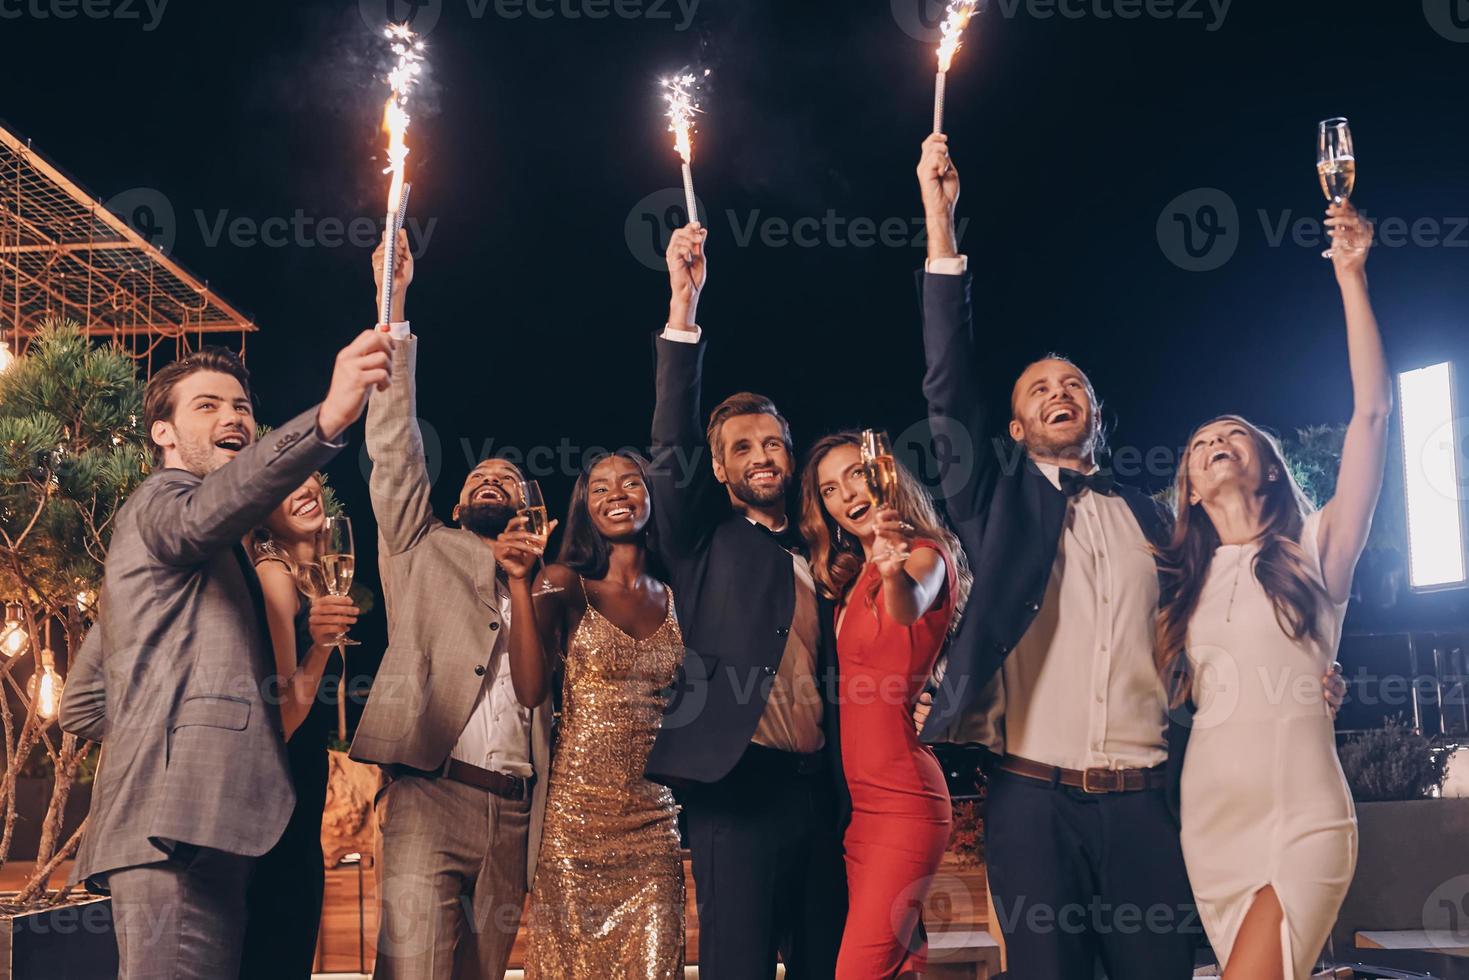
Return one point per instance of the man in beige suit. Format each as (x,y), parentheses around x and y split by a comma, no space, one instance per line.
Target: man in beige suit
(460,818)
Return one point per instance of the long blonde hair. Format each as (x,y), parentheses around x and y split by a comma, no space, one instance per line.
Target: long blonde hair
(1280,564)
(836,566)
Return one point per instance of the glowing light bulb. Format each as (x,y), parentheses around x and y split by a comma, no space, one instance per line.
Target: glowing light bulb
(6,358)
(45,687)
(13,638)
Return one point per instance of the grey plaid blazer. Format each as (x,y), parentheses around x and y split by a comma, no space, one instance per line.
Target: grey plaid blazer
(172,679)
(439,589)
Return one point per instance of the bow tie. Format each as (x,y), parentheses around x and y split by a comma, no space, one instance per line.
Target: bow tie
(1073,483)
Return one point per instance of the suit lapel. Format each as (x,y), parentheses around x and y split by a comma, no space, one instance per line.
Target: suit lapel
(484,572)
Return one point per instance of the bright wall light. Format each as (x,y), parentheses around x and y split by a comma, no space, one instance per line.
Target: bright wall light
(1431,478)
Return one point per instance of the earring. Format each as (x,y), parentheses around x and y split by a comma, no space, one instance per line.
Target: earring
(1274,475)
(841,538)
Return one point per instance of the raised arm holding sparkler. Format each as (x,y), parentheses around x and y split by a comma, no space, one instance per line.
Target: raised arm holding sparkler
(955,20)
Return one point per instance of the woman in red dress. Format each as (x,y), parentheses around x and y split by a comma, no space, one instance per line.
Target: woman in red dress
(899,578)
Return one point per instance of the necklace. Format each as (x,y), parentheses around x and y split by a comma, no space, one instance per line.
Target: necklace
(1238,565)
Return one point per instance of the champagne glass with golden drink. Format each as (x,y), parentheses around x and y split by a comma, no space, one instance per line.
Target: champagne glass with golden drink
(311,580)
(533,509)
(1336,162)
(337,556)
(879,468)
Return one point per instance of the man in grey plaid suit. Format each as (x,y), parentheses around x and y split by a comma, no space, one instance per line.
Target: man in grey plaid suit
(460,818)
(193,783)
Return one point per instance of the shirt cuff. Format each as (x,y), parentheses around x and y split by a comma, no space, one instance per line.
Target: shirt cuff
(399,330)
(691,336)
(956,266)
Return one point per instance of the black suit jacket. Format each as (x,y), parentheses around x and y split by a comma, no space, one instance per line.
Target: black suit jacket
(1007,514)
(734,586)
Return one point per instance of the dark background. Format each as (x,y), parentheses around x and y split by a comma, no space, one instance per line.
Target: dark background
(538,137)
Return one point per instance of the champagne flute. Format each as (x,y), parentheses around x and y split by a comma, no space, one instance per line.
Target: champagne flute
(311,580)
(533,509)
(1336,162)
(337,557)
(880,470)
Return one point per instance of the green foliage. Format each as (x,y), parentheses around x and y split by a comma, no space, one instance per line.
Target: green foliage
(71,450)
(1314,457)
(1392,763)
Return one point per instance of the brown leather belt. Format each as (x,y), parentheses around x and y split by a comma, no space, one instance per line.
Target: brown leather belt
(498,783)
(1088,780)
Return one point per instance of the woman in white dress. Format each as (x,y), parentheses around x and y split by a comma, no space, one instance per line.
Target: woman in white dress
(1256,589)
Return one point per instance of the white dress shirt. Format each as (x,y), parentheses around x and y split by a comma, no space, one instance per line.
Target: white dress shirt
(497,735)
(1080,690)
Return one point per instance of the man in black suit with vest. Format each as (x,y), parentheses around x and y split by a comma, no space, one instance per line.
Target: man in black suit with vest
(749,739)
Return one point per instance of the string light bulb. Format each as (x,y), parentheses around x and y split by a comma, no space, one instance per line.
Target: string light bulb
(45,687)
(13,637)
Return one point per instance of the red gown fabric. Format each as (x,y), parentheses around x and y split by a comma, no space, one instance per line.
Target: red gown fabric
(900,802)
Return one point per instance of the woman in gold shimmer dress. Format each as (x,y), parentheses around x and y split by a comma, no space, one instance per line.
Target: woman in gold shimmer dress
(608,897)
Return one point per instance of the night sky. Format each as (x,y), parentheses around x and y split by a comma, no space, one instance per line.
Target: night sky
(539,136)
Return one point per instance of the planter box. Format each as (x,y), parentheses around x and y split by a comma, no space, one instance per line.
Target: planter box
(1412,871)
(74,941)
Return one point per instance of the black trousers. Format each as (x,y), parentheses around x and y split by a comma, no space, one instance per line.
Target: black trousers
(768,869)
(1088,885)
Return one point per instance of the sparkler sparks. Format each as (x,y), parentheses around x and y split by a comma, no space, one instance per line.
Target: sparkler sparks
(681,92)
(952,31)
(408,49)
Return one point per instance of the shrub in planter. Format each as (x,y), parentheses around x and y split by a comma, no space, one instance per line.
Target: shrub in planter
(1393,763)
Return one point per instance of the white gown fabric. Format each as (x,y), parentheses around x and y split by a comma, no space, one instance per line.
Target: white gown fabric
(1264,801)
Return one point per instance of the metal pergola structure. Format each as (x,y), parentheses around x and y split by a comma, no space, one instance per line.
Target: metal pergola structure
(63,254)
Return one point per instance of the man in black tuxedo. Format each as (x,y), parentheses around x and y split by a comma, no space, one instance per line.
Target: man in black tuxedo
(749,739)
(1053,668)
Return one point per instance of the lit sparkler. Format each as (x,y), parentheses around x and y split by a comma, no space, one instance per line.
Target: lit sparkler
(406,71)
(681,94)
(955,20)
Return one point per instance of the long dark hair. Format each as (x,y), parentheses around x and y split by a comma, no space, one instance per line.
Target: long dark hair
(583,548)
(835,566)
(1280,564)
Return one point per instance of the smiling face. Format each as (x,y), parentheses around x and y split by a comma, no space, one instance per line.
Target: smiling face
(617,499)
(1054,411)
(212,420)
(752,459)
(489,498)
(299,516)
(1226,454)
(843,489)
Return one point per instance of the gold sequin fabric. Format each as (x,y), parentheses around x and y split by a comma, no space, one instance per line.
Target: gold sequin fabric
(608,899)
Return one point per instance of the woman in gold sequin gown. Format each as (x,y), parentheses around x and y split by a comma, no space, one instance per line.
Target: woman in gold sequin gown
(608,897)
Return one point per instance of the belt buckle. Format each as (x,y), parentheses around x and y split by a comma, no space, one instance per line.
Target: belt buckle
(1111,775)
